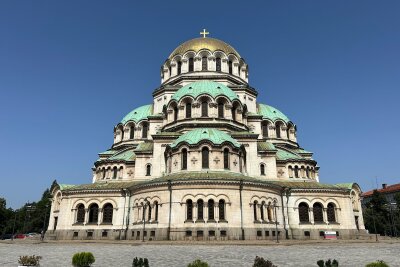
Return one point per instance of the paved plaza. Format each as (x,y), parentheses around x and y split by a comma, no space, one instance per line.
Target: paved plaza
(180,254)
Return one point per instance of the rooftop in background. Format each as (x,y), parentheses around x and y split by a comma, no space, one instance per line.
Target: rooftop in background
(385,190)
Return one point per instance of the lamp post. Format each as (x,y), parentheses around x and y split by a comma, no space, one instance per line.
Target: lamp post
(144,217)
(373,219)
(276,223)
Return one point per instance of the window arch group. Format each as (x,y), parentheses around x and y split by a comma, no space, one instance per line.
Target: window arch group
(94,213)
(214,211)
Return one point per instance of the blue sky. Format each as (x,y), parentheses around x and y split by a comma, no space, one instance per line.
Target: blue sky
(70,70)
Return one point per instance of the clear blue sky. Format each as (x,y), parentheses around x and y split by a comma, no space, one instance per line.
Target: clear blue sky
(70,70)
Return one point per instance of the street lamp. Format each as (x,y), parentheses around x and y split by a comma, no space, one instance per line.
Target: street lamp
(276,223)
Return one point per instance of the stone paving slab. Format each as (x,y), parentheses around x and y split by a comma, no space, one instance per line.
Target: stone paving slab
(179,255)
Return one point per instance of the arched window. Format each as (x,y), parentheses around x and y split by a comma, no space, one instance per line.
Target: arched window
(205,158)
(318,213)
(296,171)
(169,164)
(188,108)
(269,212)
(331,213)
(175,113)
(156,211)
(132,132)
(262,169)
(93,213)
(143,212)
(218,63)
(115,172)
(145,129)
(149,208)
(189,210)
(238,70)
(122,134)
(221,207)
(179,67)
(265,129)
(204,109)
(107,213)
(120,172)
(234,108)
(148,169)
(255,210)
(104,173)
(290,172)
(226,159)
(191,68)
(303,213)
(80,216)
(204,65)
(278,130)
(308,172)
(211,209)
(230,66)
(184,159)
(220,110)
(262,210)
(200,208)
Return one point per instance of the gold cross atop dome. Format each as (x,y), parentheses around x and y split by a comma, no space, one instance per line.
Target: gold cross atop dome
(204,33)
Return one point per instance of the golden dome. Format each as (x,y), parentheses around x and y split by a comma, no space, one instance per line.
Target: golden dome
(197,44)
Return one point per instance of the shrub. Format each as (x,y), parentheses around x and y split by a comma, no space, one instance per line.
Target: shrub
(29,260)
(377,264)
(141,262)
(328,263)
(260,262)
(83,259)
(198,263)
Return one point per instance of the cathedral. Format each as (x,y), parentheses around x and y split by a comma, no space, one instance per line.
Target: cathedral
(205,161)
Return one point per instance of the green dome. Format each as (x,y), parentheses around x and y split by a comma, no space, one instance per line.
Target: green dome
(211,88)
(271,113)
(215,136)
(138,114)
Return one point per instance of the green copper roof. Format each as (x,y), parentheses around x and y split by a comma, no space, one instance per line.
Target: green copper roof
(287,155)
(138,114)
(215,136)
(346,185)
(126,155)
(144,147)
(211,88)
(100,186)
(271,113)
(108,152)
(265,146)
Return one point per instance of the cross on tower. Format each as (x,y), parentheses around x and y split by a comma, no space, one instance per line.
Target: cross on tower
(194,160)
(204,33)
(216,160)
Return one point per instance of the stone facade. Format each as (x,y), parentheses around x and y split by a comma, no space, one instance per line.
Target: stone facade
(205,161)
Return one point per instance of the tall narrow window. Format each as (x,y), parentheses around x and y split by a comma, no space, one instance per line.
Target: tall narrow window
(318,213)
(262,169)
(80,216)
(189,210)
(255,209)
(204,109)
(262,210)
(234,113)
(278,130)
(145,129)
(104,173)
(230,66)
(175,113)
(239,70)
(221,208)
(170,71)
(188,108)
(331,213)
(191,65)
(148,170)
(149,208)
(132,132)
(205,158)
(184,159)
(269,210)
(156,211)
(210,209)
(296,171)
(200,209)
(204,65)
(308,172)
(221,110)
(93,213)
(218,63)
(226,159)
(179,67)
(122,134)
(265,129)
(115,172)
(107,213)
(303,213)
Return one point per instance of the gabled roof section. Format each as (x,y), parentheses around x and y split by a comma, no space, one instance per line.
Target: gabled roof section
(145,147)
(266,146)
(215,136)
(271,113)
(284,154)
(138,114)
(210,88)
(126,155)
(100,186)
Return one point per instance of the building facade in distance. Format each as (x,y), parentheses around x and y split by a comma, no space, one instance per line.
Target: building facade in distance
(205,161)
